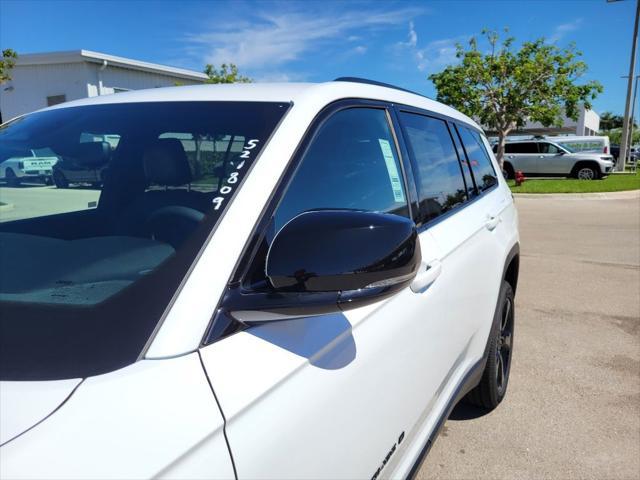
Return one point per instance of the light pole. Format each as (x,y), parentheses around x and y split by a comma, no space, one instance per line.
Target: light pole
(633,113)
(627,107)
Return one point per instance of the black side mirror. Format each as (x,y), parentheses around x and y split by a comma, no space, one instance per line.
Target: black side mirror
(324,261)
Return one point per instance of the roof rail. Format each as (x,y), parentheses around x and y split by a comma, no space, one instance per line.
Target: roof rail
(375,82)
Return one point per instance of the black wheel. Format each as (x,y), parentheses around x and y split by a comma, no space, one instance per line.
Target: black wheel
(509,172)
(493,385)
(11,178)
(60,180)
(48,181)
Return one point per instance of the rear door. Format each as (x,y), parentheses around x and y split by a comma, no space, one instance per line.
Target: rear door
(460,209)
(523,156)
(345,395)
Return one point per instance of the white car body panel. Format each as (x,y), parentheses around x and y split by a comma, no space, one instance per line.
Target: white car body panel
(398,390)
(24,404)
(185,323)
(153,418)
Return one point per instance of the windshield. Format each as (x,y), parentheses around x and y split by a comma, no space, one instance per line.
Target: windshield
(103,209)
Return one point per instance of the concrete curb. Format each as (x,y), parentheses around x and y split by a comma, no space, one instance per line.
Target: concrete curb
(626,195)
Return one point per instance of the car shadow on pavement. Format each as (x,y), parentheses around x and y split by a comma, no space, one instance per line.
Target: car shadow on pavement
(466,411)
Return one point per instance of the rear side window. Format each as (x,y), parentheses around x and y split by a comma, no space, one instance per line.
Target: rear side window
(478,158)
(352,163)
(440,183)
(525,147)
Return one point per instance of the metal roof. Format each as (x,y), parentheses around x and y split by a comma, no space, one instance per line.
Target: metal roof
(78,56)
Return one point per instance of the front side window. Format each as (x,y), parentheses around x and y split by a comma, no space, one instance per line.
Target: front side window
(89,263)
(548,148)
(352,163)
(441,186)
(478,158)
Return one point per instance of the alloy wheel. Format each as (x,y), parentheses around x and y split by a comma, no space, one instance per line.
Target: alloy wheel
(586,174)
(505,342)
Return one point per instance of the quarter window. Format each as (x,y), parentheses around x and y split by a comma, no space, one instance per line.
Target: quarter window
(440,183)
(478,158)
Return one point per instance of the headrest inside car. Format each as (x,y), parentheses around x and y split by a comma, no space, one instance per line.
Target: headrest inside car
(165,163)
(93,154)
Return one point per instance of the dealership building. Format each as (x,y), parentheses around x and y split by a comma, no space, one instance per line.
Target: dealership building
(587,124)
(39,80)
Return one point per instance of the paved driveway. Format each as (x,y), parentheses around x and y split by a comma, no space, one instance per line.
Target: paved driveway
(573,406)
(29,201)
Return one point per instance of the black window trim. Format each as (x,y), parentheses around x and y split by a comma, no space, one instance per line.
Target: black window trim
(479,190)
(415,168)
(451,122)
(250,249)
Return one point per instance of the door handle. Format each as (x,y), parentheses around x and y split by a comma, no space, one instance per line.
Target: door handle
(492,222)
(428,274)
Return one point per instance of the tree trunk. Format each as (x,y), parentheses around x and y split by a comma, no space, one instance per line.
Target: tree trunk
(502,137)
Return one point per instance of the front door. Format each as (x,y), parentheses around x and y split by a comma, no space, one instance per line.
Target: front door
(341,395)
(553,161)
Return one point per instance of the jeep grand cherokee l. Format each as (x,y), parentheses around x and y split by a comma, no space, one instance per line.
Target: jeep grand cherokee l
(275,281)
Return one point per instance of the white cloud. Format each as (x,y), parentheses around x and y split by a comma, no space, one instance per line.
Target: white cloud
(438,53)
(412,37)
(435,54)
(563,29)
(360,49)
(273,39)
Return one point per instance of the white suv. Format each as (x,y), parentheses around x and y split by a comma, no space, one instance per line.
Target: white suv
(544,158)
(276,281)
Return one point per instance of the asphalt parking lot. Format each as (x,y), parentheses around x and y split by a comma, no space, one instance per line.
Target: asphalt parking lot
(572,410)
(27,201)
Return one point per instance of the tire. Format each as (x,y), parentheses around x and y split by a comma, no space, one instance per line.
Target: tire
(586,172)
(510,172)
(59,179)
(495,378)
(11,178)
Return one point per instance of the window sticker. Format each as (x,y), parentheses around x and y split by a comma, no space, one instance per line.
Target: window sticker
(392,169)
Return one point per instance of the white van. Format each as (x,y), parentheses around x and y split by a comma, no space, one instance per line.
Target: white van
(583,144)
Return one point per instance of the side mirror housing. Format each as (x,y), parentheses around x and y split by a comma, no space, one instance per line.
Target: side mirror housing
(324,261)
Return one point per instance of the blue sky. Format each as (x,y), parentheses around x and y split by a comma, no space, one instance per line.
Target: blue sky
(395,42)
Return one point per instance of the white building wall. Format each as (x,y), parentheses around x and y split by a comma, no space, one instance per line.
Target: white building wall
(30,86)
(123,78)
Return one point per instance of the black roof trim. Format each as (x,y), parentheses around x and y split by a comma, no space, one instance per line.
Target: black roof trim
(375,82)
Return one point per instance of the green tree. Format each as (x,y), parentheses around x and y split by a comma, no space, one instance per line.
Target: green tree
(504,88)
(615,135)
(7,62)
(226,74)
(609,121)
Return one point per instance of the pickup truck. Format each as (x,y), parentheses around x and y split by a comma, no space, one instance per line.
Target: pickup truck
(35,166)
